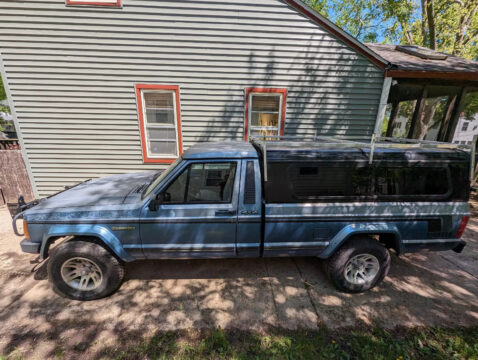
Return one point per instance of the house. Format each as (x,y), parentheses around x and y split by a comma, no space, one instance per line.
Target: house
(114,86)
(466,129)
(428,93)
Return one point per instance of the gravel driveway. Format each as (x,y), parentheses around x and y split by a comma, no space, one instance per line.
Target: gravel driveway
(421,290)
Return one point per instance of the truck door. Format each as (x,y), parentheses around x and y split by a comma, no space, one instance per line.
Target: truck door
(249,227)
(197,213)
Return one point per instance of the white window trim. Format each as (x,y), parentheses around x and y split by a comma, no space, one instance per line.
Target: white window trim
(251,127)
(146,125)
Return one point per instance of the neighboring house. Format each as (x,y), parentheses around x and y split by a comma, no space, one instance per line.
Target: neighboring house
(466,130)
(114,86)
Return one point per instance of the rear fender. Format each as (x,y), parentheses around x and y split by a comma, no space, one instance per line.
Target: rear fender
(358,229)
(98,231)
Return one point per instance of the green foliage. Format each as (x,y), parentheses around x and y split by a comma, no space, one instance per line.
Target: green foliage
(471,105)
(3,94)
(406,22)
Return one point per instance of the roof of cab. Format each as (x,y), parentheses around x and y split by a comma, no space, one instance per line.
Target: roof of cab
(221,150)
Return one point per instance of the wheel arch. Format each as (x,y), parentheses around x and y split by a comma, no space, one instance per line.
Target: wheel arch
(95,233)
(384,233)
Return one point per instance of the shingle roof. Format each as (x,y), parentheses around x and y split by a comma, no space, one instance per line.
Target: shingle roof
(401,61)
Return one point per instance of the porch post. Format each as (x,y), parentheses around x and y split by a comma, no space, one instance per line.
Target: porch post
(387,82)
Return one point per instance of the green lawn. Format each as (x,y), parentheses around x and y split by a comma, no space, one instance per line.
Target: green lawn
(432,343)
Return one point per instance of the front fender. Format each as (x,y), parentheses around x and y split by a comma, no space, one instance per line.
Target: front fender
(98,231)
(356,229)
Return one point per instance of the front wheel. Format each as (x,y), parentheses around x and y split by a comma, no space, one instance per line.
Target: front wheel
(82,270)
(359,265)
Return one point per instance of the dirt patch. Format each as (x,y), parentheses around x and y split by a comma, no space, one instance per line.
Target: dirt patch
(425,289)
(474,203)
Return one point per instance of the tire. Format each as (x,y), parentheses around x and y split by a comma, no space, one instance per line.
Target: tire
(359,265)
(93,272)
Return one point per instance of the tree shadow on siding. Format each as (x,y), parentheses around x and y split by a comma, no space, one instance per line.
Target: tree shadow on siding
(328,97)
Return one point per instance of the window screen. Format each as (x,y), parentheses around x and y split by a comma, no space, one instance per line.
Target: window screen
(203,183)
(160,123)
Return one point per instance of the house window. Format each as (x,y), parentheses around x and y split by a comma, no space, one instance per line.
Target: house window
(160,122)
(464,126)
(116,3)
(265,112)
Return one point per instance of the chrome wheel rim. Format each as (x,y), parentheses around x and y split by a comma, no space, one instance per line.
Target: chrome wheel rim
(361,269)
(81,274)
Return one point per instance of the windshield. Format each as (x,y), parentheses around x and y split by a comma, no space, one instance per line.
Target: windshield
(160,178)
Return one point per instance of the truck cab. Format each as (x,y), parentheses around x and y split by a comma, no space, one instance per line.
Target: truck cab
(348,204)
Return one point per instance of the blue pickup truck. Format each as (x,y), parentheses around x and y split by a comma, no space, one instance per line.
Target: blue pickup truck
(348,205)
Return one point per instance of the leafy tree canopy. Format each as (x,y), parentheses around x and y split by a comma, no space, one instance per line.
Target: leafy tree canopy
(444,25)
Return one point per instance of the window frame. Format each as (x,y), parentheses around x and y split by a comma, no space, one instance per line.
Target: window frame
(187,169)
(249,92)
(117,3)
(140,90)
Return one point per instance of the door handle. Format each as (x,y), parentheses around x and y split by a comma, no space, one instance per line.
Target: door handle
(225,213)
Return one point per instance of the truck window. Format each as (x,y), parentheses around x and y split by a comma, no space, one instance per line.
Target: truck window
(404,182)
(347,181)
(203,183)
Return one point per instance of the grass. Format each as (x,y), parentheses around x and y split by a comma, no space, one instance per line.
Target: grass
(377,344)
(403,344)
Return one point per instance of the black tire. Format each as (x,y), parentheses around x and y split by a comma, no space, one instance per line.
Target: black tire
(112,271)
(336,264)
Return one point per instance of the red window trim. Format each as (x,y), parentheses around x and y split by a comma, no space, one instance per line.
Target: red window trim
(93,3)
(139,101)
(265,90)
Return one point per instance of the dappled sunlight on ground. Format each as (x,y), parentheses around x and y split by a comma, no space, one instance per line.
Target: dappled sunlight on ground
(421,289)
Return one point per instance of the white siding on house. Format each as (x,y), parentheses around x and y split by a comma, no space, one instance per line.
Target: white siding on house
(71,72)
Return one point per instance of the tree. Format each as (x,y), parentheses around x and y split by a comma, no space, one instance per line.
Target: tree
(444,25)
(3,94)
(4,109)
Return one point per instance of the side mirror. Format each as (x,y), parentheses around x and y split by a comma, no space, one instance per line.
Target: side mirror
(163,197)
(153,205)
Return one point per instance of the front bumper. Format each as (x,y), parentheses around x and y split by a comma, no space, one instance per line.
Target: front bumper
(30,246)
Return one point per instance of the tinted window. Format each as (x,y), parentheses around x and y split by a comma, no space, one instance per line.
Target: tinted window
(315,182)
(412,181)
(203,183)
(311,182)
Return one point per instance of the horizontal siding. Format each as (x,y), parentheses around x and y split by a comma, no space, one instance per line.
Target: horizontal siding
(72,70)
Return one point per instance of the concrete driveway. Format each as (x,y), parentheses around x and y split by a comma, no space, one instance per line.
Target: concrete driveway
(421,289)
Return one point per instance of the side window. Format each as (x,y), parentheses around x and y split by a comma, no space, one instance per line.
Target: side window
(322,182)
(412,181)
(203,183)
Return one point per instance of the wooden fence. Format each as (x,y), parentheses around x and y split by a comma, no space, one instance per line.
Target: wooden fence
(13,177)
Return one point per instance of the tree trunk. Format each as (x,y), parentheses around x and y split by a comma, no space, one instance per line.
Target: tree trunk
(431,24)
(465,20)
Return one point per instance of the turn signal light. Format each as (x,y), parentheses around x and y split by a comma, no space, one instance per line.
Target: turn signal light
(25,230)
(462,227)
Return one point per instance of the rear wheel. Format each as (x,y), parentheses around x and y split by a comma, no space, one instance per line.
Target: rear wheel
(359,265)
(83,270)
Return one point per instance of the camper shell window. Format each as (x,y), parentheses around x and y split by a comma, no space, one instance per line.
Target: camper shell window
(299,182)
